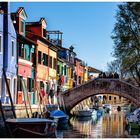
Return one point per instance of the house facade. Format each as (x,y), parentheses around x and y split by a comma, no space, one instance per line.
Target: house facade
(25,59)
(46,57)
(8,54)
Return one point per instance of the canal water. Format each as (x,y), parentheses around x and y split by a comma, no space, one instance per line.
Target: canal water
(105,126)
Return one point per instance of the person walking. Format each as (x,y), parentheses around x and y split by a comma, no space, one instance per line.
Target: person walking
(42,95)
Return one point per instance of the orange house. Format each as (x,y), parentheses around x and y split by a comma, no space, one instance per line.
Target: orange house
(79,71)
(45,55)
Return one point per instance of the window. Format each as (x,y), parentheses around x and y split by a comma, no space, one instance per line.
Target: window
(12,48)
(8,80)
(44,33)
(32,83)
(21,51)
(50,64)
(32,57)
(29,84)
(58,69)
(0,44)
(65,69)
(54,63)
(39,57)
(41,84)
(19,83)
(22,26)
(44,59)
(62,70)
(109,97)
(71,73)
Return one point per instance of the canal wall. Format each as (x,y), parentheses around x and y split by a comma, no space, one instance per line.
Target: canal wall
(20,111)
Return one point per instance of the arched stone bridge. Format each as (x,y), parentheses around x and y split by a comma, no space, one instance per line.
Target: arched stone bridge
(96,86)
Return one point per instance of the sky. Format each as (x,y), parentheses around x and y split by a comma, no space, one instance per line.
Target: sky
(87,26)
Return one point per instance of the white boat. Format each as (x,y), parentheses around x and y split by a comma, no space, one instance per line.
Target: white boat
(94,112)
(107,108)
(84,113)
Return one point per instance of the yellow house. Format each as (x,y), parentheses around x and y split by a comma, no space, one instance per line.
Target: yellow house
(113,99)
(86,74)
(69,77)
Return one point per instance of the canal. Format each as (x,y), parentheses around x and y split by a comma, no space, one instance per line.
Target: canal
(105,126)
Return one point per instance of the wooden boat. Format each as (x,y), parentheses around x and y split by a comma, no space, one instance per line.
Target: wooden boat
(32,127)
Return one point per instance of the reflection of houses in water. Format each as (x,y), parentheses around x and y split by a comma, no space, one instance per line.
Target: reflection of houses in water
(107,126)
(97,128)
(83,127)
(112,126)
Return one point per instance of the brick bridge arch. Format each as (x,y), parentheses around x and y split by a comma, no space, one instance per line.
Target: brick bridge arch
(118,87)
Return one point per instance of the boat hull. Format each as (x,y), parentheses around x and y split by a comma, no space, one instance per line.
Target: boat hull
(31,127)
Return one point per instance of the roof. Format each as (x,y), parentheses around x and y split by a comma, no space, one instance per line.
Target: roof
(37,23)
(25,39)
(32,23)
(78,59)
(91,69)
(20,9)
(42,39)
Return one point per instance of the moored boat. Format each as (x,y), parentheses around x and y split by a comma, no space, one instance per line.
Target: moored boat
(32,127)
(84,113)
(61,117)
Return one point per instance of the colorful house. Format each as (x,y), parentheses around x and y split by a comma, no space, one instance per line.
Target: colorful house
(70,68)
(25,58)
(65,61)
(93,73)
(46,55)
(79,71)
(86,73)
(8,54)
(65,67)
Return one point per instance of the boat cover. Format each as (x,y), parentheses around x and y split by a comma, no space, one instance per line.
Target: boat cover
(57,113)
(137,112)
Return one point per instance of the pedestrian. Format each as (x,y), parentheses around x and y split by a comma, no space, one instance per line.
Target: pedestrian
(51,95)
(110,75)
(43,94)
(116,75)
(104,75)
(101,75)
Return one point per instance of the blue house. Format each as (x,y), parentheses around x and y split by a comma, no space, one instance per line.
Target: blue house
(8,54)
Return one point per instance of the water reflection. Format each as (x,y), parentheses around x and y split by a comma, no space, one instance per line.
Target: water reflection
(106,126)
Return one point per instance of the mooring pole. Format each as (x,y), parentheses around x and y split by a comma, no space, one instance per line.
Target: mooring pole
(9,93)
